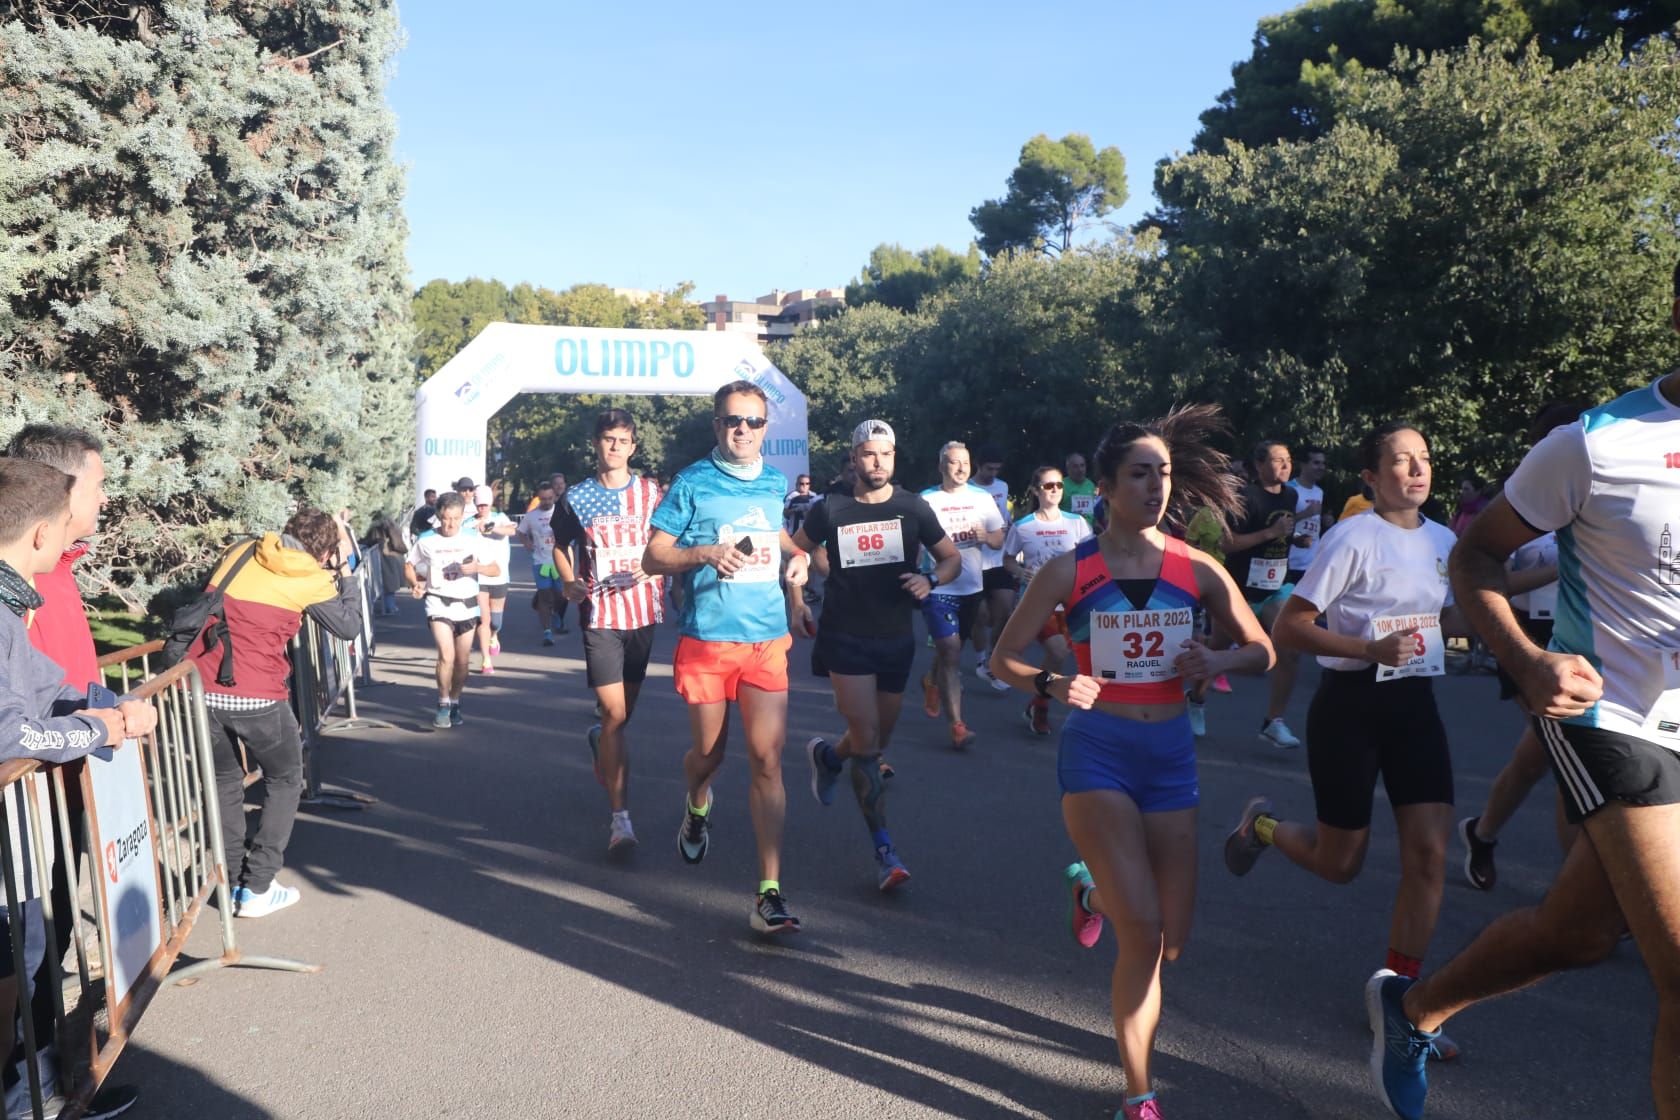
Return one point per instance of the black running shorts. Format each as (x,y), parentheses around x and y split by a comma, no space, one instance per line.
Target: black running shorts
(888,660)
(616,656)
(1594,767)
(1359,728)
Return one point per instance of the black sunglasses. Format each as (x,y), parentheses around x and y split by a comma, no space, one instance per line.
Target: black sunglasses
(753,423)
(1049,486)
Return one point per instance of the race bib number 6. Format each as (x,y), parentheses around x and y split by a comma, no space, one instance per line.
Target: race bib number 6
(1428,653)
(1267,575)
(1135,647)
(869,543)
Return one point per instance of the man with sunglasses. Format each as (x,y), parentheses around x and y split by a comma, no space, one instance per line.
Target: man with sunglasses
(719,532)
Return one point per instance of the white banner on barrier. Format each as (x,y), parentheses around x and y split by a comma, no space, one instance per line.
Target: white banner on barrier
(129,893)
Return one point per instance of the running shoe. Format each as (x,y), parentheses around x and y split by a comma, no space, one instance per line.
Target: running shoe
(1399,1051)
(1242,846)
(456,719)
(1277,733)
(548,637)
(890,869)
(961,737)
(1038,716)
(930,697)
(250,904)
(1221,683)
(1148,1110)
(487,668)
(441,719)
(770,914)
(823,779)
(982,669)
(594,737)
(495,645)
(695,835)
(1478,856)
(621,837)
(1197,711)
(1085,924)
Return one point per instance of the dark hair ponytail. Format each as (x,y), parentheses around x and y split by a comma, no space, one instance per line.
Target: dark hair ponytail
(1201,474)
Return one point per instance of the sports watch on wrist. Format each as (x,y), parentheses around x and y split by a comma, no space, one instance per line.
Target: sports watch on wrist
(1043,680)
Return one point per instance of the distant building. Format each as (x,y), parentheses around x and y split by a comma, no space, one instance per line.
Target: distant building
(772,317)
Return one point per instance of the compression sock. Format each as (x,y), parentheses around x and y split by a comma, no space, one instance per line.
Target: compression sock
(1402,965)
(1264,825)
(880,837)
(699,812)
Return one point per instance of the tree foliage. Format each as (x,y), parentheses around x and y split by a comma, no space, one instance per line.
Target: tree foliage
(1058,188)
(201,257)
(901,279)
(1286,88)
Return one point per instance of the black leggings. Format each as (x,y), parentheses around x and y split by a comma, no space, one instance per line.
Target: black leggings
(1358,728)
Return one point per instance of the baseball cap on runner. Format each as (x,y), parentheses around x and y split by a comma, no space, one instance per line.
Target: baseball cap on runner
(464,483)
(873,429)
(484,496)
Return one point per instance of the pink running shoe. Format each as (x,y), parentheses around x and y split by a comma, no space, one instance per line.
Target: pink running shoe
(487,668)
(1148,1110)
(1085,925)
(1221,683)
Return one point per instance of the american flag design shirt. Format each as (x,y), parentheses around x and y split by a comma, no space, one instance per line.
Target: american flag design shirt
(611,528)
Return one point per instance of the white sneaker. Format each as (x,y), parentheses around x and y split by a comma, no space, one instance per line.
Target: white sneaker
(1277,733)
(983,670)
(623,836)
(1197,711)
(248,904)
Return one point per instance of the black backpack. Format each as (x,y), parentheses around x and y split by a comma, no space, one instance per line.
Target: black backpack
(195,616)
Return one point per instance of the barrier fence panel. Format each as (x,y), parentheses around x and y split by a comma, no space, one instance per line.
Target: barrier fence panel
(152,825)
(324,672)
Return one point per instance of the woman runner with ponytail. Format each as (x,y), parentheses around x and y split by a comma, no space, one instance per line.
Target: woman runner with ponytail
(1127,763)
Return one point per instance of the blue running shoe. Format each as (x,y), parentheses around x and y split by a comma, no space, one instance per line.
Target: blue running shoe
(822,778)
(891,869)
(1399,1051)
(442,719)
(456,719)
(695,835)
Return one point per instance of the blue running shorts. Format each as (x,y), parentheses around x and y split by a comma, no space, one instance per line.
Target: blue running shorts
(1152,763)
(946,615)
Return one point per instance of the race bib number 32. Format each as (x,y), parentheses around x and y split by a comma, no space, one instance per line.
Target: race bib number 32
(1428,651)
(870,543)
(1135,647)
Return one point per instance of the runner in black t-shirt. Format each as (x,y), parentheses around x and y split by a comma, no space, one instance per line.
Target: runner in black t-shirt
(1256,547)
(867,643)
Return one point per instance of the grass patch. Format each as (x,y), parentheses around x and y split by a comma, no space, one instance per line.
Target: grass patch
(115,627)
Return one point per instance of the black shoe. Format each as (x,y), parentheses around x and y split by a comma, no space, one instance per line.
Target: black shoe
(1478,856)
(770,914)
(695,835)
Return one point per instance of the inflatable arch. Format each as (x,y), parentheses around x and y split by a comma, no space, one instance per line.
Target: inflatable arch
(454,406)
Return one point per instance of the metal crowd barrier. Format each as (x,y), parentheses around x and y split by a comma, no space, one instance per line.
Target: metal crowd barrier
(325,669)
(181,822)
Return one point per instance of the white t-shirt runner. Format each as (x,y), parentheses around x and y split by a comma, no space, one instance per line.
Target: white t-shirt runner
(1038,541)
(536,526)
(1609,485)
(1300,559)
(966,514)
(449,595)
(999,491)
(1372,577)
(1541,552)
(495,548)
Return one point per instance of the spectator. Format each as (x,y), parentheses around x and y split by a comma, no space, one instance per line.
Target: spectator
(289,575)
(422,519)
(386,535)
(1471,501)
(798,504)
(41,717)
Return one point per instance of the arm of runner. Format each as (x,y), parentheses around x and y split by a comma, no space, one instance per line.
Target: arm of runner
(1052,585)
(1530,579)
(947,564)
(798,561)
(1231,542)
(416,585)
(663,558)
(1296,628)
(1555,685)
(1252,654)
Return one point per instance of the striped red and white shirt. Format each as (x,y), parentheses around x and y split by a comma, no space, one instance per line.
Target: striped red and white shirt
(611,528)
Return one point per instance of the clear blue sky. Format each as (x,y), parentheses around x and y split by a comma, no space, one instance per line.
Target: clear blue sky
(749,147)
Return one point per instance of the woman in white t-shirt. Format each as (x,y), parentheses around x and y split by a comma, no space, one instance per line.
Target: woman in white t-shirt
(1031,543)
(495,530)
(1380,582)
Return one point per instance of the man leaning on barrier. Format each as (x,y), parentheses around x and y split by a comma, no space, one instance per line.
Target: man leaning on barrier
(41,717)
(291,573)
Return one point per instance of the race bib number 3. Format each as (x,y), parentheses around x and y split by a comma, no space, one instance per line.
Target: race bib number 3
(1429,652)
(1266,575)
(761,565)
(1135,647)
(869,543)
(1663,724)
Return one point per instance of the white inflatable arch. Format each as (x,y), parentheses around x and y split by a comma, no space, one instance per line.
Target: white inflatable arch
(454,406)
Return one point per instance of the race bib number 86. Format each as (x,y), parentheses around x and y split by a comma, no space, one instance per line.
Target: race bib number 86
(870,543)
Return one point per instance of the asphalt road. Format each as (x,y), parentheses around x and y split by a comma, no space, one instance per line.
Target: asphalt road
(485,958)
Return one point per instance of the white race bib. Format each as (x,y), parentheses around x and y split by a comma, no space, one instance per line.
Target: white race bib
(869,543)
(965,534)
(1267,575)
(1133,647)
(762,561)
(1308,527)
(1542,601)
(1083,504)
(1663,724)
(1429,652)
(619,565)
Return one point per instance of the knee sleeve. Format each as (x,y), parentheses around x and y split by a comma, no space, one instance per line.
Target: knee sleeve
(496,622)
